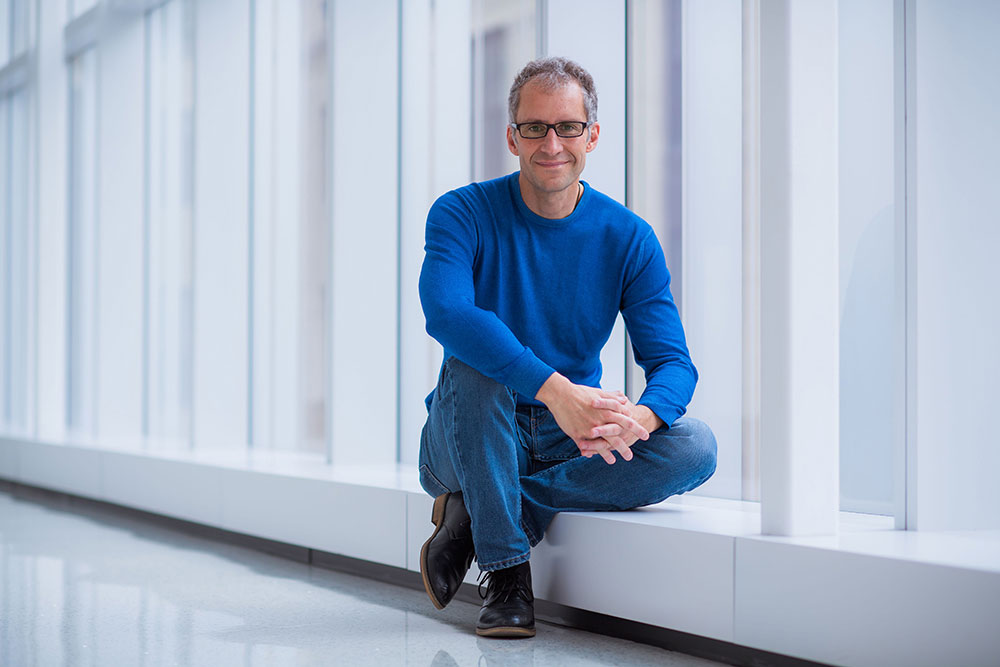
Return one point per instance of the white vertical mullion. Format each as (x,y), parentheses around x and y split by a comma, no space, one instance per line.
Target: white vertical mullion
(750,450)
(221,225)
(799,269)
(263,228)
(50,304)
(119,239)
(901,291)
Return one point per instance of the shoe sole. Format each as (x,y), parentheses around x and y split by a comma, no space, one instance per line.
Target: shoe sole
(508,632)
(437,518)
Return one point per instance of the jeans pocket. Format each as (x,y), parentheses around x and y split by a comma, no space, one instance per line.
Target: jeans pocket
(431,484)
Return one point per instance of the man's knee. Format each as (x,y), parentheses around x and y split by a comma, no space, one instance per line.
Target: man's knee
(701,449)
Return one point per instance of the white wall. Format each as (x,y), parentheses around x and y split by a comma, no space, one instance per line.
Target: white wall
(953,237)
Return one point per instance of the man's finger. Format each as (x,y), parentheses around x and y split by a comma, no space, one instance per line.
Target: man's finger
(612,404)
(624,450)
(616,394)
(606,431)
(629,424)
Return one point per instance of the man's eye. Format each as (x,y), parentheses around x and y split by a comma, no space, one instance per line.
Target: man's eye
(535,128)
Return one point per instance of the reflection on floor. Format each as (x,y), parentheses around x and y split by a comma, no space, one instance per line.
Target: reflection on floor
(82,584)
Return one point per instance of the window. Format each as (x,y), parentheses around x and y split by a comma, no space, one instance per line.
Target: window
(503,40)
(685,179)
(291,227)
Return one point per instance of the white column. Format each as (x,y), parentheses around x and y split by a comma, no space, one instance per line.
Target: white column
(50,304)
(365,41)
(119,314)
(799,455)
(419,353)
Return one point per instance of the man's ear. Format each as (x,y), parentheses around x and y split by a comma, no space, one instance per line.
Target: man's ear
(595,131)
(511,141)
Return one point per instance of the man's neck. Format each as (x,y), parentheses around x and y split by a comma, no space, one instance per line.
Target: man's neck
(554,205)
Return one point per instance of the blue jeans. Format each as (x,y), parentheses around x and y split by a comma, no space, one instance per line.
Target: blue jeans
(517,469)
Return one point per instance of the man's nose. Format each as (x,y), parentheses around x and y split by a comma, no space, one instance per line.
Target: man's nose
(552,143)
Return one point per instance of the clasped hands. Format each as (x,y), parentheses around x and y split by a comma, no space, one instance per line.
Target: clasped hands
(598,421)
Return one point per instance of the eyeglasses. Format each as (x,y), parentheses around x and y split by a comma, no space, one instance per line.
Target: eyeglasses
(567,129)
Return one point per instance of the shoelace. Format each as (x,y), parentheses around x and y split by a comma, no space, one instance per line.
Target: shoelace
(504,584)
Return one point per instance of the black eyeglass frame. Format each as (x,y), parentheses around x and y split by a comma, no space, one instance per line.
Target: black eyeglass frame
(551,126)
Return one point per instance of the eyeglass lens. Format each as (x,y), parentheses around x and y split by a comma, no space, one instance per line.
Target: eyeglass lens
(565,129)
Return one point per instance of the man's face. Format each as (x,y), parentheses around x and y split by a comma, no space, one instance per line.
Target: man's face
(551,164)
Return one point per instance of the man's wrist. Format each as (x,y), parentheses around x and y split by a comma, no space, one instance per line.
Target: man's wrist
(648,419)
(551,388)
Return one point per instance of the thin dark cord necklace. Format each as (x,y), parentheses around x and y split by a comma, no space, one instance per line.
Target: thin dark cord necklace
(579,195)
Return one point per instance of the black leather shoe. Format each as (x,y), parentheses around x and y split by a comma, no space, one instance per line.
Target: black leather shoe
(447,554)
(508,605)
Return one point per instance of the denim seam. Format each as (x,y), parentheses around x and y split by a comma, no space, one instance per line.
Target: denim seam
(530,534)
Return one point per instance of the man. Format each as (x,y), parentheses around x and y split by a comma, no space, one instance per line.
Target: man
(523,279)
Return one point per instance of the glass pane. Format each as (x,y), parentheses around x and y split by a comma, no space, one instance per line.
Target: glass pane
(6,10)
(871,343)
(169,236)
(291,228)
(5,260)
(503,41)
(78,7)
(685,180)
(20,30)
(654,187)
(81,239)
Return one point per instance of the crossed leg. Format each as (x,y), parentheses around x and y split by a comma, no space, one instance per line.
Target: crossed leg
(515,479)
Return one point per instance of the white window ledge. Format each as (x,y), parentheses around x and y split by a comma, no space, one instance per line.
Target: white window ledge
(869,596)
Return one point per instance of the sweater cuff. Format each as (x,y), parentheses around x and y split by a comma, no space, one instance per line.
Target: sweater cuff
(667,413)
(526,374)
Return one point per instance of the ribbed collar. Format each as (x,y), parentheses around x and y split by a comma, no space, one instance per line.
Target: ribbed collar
(534,218)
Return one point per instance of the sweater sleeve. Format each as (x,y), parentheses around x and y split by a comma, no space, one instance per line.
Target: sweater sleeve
(472,334)
(654,326)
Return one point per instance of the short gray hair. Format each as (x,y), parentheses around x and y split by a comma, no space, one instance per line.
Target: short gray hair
(553,73)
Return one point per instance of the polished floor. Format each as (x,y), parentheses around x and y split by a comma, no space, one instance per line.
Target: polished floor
(84,585)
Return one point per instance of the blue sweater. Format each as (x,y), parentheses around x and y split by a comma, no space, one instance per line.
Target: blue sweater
(517,296)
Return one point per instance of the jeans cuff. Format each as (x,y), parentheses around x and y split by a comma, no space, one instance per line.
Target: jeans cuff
(508,562)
